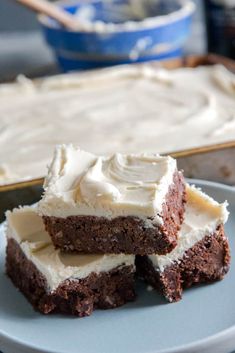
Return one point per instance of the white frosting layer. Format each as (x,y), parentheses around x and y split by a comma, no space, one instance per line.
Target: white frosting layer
(26,227)
(126,109)
(202,217)
(80,183)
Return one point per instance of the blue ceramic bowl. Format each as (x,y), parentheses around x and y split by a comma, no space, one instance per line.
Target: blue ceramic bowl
(107,39)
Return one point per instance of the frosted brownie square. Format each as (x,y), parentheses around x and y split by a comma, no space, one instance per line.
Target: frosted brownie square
(132,204)
(66,283)
(202,254)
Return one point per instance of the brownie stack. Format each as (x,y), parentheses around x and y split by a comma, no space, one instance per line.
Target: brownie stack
(101,220)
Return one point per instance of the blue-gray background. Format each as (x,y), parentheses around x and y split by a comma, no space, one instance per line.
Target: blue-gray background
(22,49)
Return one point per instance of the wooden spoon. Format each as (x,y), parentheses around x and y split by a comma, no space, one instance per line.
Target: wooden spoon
(55,12)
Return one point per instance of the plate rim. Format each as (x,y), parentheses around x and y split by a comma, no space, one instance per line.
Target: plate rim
(195,346)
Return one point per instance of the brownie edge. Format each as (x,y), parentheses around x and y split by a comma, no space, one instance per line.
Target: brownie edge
(128,235)
(205,262)
(105,290)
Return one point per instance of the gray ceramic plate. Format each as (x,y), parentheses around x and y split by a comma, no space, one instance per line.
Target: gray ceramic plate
(204,321)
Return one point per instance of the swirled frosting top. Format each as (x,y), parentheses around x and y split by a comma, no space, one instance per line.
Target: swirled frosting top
(127,109)
(80,183)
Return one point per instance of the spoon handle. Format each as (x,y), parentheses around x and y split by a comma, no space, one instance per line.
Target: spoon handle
(49,9)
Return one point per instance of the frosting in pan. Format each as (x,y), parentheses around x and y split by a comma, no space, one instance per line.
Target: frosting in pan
(127,109)
(202,217)
(81,183)
(26,227)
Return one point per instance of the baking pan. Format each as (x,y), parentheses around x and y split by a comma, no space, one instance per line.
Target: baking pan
(215,162)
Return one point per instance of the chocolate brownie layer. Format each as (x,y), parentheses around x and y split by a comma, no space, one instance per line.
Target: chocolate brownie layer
(105,290)
(208,260)
(129,235)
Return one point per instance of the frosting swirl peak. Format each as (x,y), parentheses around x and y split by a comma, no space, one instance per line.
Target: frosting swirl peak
(120,184)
